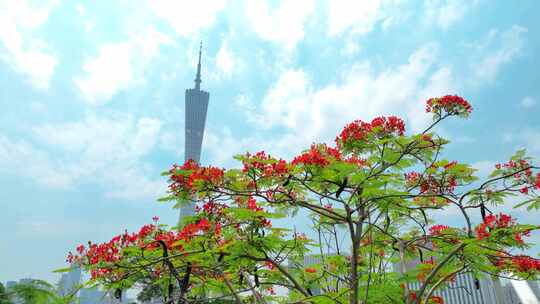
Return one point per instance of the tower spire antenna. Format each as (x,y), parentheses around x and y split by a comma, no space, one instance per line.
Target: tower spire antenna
(198,78)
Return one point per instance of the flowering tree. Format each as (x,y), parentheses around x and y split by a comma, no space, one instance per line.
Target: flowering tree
(371,199)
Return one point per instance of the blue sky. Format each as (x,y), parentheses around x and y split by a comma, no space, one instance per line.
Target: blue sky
(92,95)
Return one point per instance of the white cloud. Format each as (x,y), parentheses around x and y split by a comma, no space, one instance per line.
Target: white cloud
(304,113)
(101,140)
(187,17)
(357,16)
(21,157)
(484,167)
(294,103)
(107,73)
(352,47)
(19,47)
(107,151)
(446,13)
(528,102)
(495,51)
(525,138)
(531,137)
(282,25)
(172,141)
(118,65)
(80,9)
(226,61)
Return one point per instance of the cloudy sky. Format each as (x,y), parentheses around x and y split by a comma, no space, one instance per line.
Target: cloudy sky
(92,96)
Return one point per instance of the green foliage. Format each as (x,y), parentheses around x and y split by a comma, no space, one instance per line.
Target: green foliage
(373,200)
(34,292)
(4,299)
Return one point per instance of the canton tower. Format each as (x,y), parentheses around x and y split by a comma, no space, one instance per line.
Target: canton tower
(196,107)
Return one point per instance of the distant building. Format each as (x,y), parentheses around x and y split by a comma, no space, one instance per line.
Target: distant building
(196,101)
(97,296)
(465,289)
(521,292)
(309,260)
(92,296)
(69,282)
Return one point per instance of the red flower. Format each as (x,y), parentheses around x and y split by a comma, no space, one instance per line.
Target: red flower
(481,232)
(269,265)
(437,229)
(266,223)
(450,104)
(537,182)
(319,155)
(355,160)
(518,238)
(493,222)
(204,224)
(217,230)
(186,176)
(252,204)
(311,270)
(80,249)
(450,165)
(382,126)
(525,263)
(263,163)
(412,177)
(437,299)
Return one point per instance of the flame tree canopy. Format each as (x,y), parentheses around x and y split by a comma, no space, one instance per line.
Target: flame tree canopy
(371,198)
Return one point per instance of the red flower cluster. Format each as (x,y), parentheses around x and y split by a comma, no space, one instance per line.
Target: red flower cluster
(492,222)
(431,183)
(109,251)
(451,104)
(524,178)
(265,164)
(252,204)
(382,126)
(190,230)
(434,185)
(525,263)
(212,208)
(412,178)
(355,160)
(185,176)
(311,270)
(317,155)
(148,237)
(437,300)
(437,229)
(520,263)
